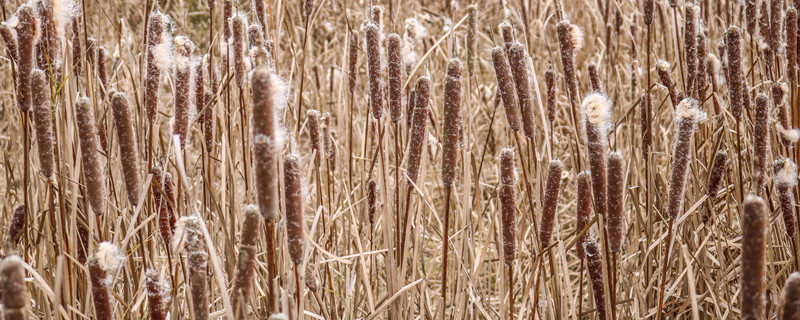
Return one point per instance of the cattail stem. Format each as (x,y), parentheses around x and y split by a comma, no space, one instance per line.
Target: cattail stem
(445,249)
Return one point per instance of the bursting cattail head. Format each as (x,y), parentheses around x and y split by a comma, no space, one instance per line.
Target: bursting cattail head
(505,87)
(452,121)
(313,134)
(395,70)
(92,168)
(508,204)
(776,17)
(550,202)
(295,237)
(550,82)
(157,31)
(584,209)
(102,266)
(17,225)
(733,45)
(27,31)
(507,32)
(519,69)
(714,180)
(789,307)
(761,141)
(374,69)
(596,109)
(664,75)
(785,180)
(237,28)
(266,144)
(164,199)
(255,36)
(158,294)
(755,223)
(42,107)
(616,194)
(129,156)
(372,200)
(692,14)
(508,174)
(353,61)
(418,128)
(595,266)
(472,31)
(15,292)
(788,135)
(687,115)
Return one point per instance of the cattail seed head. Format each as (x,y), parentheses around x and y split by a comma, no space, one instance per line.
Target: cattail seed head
(755,220)
(785,180)
(702,54)
(102,266)
(692,14)
(584,210)
(156,27)
(353,61)
(92,168)
(265,142)
(596,110)
(472,31)
(48,52)
(550,202)
(594,78)
(372,200)
(102,73)
(10,40)
(789,307)
(760,141)
(199,90)
(17,224)
(714,179)
(313,134)
(735,82)
(328,144)
(26,36)
(42,107)
(237,28)
(687,115)
(508,173)
(295,236)
(15,292)
(508,204)
(567,43)
(183,75)
(750,13)
(374,70)
(505,86)
(595,266)
(245,264)
(783,125)
(550,81)
(791,42)
(763,21)
(158,295)
(519,69)
(191,238)
(418,128)
(227,14)
(647,12)
(507,32)
(646,114)
(395,70)
(452,121)
(76,46)
(129,156)
(664,75)
(164,199)
(776,17)
(616,194)
(308,7)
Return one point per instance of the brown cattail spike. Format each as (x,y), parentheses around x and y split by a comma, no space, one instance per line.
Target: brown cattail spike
(128,151)
(735,81)
(760,142)
(295,236)
(103,266)
(237,27)
(395,70)
(452,121)
(245,264)
(472,31)
(328,144)
(692,13)
(10,40)
(26,35)
(227,14)
(785,180)
(584,210)
(191,232)
(570,39)
(372,200)
(550,82)
(750,12)
(519,69)
(353,61)
(550,202)
(616,194)
(755,221)
(776,17)
(42,107)
(790,298)
(664,75)
(416,140)
(265,143)
(158,295)
(595,267)
(374,70)
(313,134)
(508,205)
(791,42)
(594,78)
(596,110)
(15,292)
(17,225)
(92,168)
(163,199)
(505,87)
(183,75)
(714,180)
(155,29)
(687,115)
(647,12)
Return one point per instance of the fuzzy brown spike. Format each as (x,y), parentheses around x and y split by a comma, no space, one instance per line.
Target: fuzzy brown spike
(162,196)
(183,75)
(763,21)
(155,27)
(584,210)
(245,263)
(10,40)
(237,28)
(452,121)
(395,70)
(507,32)
(265,143)
(646,114)
(328,144)
(735,82)
(616,204)
(776,19)
(791,42)
(750,13)
(313,135)
(755,223)
(567,47)
(692,14)
(102,267)
(760,142)
(353,61)
(48,39)
(664,75)
(102,73)
(374,70)
(76,46)
(519,69)
(550,202)
(790,298)
(702,74)
(26,35)
(505,87)
(594,78)
(197,265)
(372,200)
(472,31)
(158,295)
(687,115)
(295,236)
(783,124)
(416,141)
(647,12)
(92,168)
(785,179)
(199,90)
(596,112)
(550,81)
(17,225)
(227,14)
(595,267)
(260,8)
(715,179)
(42,107)
(15,293)
(128,151)
(508,205)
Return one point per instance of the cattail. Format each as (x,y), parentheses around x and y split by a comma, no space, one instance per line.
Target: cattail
(735,81)
(76,46)
(295,238)
(313,134)
(702,75)
(311,278)
(570,38)
(584,209)
(596,110)
(594,78)
(416,141)
(26,35)
(687,115)
(791,42)
(374,70)
(472,38)
(372,202)
(15,292)
(647,11)
(48,40)
(712,69)
(183,75)
(395,70)
(412,101)
(787,134)
(199,90)
(776,17)
(245,263)
(308,7)
(750,13)
(507,32)
(328,144)
(91,51)
(616,194)
(129,156)
(785,180)
(10,40)
(664,75)
(83,243)
(595,266)
(158,295)
(237,25)
(550,201)
(102,74)
(191,239)
(505,86)
(227,14)
(519,69)
(16,225)
(714,180)
(102,266)
(508,204)
(353,61)
(155,29)
(265,143)
(646,114)
(42,107)
(760,141)
(763,21)
(255,36)
(790,298)
(550,81)
(260,8)
(452,121)
(92,168)
(692,13)
(755,220)
(162,196)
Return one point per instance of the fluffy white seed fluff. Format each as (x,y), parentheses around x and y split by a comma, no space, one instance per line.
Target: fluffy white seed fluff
(662,66)
(163,50)
(63,12)
(164,289)
(576,36)
(110,259)
(596,108)
(787,175)
(792,135)
(689,109)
